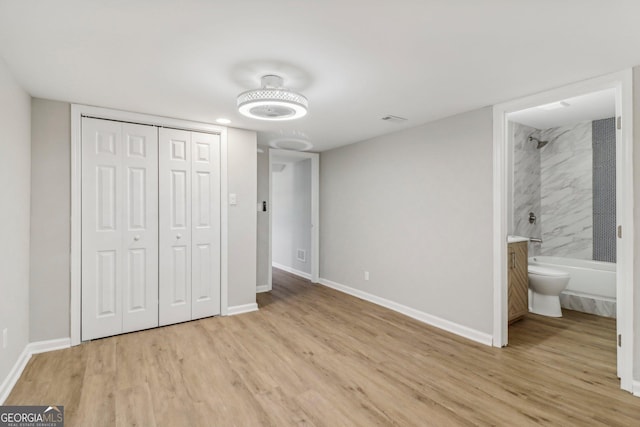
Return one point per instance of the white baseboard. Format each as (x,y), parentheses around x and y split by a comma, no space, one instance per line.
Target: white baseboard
(14,374)
(447,325)
(292,270)
(240,309)
(636,388)
(49,345)
(29,350)
(262,288)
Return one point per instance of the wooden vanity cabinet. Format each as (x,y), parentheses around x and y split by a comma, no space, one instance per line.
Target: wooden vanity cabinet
(518,280)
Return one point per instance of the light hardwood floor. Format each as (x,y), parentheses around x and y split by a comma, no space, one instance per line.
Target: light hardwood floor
(314,356)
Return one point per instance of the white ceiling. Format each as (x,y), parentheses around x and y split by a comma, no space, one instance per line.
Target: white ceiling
(589,107)
(356,60)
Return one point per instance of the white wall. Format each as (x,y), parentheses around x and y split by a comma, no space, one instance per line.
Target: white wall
(302,214)
(414,208)
(242,180)
(262,268)
(50,220)
(282,215)
(15,177)
(291,229)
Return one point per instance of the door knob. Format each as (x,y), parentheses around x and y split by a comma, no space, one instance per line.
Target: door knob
(136,237)
(179,236)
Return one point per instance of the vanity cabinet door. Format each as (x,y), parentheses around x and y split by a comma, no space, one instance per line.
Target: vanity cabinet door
(518,281)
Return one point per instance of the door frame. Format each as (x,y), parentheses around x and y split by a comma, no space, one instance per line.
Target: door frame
(622,82)
(315,211)
(77,112)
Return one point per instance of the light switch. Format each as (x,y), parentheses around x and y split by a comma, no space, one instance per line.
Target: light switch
(233,199)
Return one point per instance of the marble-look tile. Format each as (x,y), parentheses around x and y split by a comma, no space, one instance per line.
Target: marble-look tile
(566,189)
(526,184)
(587,304)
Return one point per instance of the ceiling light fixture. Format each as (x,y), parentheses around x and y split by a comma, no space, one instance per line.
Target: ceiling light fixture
(272,101)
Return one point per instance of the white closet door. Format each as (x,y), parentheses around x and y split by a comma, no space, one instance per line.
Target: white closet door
(119,228)
(101,228)
(205,202)
(140,220)
(175,225)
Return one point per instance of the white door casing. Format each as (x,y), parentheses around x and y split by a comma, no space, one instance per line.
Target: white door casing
(119,229)
(622,82)
(78,112)
(315,212)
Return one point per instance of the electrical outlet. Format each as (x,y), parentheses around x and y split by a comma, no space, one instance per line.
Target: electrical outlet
(5,338)
(366,275)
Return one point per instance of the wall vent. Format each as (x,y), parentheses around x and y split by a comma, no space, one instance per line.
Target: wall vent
(301,255)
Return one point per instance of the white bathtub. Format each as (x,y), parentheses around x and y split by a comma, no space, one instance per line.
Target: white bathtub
(596,279)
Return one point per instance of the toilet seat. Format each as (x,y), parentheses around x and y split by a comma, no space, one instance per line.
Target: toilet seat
(545,271)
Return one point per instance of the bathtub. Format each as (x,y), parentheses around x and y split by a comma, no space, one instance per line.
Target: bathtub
(592,287)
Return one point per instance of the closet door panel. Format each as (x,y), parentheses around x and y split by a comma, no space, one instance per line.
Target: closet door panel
(205,225)
(175,226)
(140,219)
(102,259)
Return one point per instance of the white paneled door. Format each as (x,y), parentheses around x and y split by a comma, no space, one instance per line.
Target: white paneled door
(119,227)
(205,225)
(189,185)
(175,226)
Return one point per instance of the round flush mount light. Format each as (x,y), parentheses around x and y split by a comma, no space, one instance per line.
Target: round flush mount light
(290,140)
(291,144)
(272,101)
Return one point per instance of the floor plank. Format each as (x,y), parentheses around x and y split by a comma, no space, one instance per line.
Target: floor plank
(313,356)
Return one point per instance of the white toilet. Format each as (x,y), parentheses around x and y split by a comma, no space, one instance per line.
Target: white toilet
(546,284)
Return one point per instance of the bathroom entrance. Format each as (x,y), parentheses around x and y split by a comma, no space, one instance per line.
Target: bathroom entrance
(563,199)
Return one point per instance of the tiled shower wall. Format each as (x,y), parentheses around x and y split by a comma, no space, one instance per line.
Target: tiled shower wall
(604,190)
(554,182)
(526,184)
(566,171)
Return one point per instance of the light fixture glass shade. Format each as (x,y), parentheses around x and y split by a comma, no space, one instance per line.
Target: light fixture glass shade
(272,103)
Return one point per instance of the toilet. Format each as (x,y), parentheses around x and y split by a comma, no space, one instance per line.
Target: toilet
(546,284)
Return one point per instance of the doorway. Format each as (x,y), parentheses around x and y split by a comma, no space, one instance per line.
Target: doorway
(621,84)
(293,217)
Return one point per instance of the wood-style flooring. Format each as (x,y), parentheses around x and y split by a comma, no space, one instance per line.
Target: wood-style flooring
(315,356)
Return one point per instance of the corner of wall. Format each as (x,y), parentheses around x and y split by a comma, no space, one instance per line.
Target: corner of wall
(50,220)
(242,217)
(15,182)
